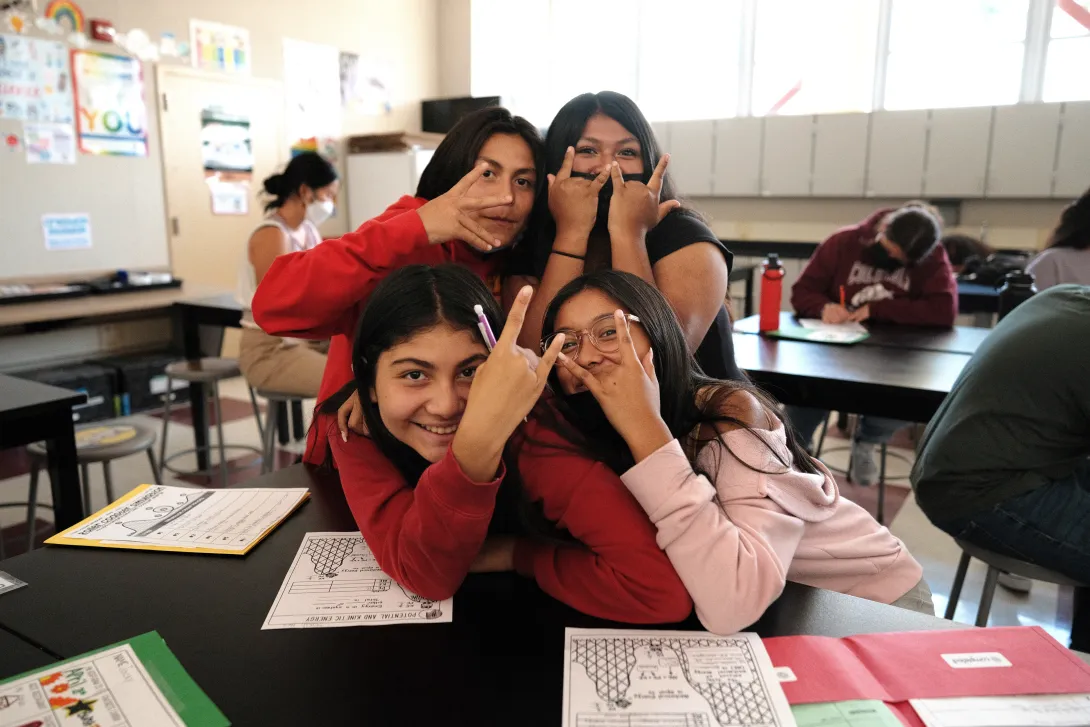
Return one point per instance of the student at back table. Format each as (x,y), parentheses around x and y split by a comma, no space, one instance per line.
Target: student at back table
(888,268)
(1003,464)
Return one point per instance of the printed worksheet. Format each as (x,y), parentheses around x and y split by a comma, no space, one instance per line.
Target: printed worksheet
(1037,710)
(181,518)
(113,687)
(336,581)
(622,678)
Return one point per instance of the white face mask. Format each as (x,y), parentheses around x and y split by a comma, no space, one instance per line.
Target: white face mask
(320,210)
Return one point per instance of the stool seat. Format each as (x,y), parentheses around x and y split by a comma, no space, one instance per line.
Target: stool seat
(204,370)
(104,441)
(1017,567)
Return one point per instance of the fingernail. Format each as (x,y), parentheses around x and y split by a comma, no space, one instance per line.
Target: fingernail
(562,357)
(344,436)
(497,242)
(525,292)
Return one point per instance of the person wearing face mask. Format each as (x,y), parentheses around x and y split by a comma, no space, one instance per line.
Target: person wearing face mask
(890,269)
(611,205)
(302,199)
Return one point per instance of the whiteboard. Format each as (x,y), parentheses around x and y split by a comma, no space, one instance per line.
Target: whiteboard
(123,196)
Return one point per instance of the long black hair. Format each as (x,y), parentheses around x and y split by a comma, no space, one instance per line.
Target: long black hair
(458,151)
(1073,231)
(409,301)
(306,169)
(564,131)
(687,397)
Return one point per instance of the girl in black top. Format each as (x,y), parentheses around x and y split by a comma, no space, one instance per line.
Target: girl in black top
(612,205)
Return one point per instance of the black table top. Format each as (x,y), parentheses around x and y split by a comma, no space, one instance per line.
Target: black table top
(959,339)
(901,383)
(21,398)
(502,654)
(17,656)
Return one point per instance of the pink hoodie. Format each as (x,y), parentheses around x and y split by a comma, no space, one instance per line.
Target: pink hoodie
(735,544)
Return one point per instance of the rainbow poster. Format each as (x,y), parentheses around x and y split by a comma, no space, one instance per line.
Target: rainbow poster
(110,110)
(65,14)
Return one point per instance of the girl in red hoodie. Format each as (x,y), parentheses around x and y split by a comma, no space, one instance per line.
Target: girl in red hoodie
(473,199)
(430,481)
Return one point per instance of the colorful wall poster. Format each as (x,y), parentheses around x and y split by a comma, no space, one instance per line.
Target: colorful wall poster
(364,88)
(227,151)
(312,90)
(218,47)
(112,116)
(49,143)
(35,80)
(67,231)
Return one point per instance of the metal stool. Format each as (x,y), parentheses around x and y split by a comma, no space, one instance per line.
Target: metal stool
(881,467)
(272,417)
(208,371)
(996,564)
(100,442)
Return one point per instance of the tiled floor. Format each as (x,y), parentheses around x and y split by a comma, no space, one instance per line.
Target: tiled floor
(1045,605)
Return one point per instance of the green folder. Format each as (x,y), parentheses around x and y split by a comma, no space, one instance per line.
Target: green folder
(83,686)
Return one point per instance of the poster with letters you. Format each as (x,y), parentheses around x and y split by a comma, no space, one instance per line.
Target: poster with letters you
(111,114)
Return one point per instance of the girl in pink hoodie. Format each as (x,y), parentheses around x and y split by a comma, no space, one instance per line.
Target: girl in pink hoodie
(739,506)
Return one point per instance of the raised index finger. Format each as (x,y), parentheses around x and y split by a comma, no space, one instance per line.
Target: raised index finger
(515,318)
(569,160)
(467,181)
(628,348)
(655,183)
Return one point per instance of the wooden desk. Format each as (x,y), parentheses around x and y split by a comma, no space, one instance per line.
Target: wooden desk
(899,383)
(32,412)
(66,312)
(502,652)
(959,339)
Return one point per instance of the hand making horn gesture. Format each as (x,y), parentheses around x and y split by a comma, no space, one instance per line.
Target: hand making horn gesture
(448,216)
(505,388)
(628,393)
(635,207)
(573,201)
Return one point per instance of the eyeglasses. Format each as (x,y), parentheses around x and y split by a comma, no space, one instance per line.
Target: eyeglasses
(602,332)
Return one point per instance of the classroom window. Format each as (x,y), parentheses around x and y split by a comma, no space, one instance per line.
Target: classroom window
(508,55)
(689,59)
(814,57)
(1068,59)
(947,53)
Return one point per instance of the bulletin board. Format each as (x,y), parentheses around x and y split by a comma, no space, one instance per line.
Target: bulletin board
(54,174)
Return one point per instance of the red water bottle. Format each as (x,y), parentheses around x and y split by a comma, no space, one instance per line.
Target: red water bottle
(771,292)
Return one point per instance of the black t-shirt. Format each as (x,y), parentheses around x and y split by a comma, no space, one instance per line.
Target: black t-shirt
(677,230)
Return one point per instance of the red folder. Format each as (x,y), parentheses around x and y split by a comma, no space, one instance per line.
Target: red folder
(894,667)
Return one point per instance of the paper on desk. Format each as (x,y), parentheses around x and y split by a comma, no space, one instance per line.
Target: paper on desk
(9,582)
(856,713)
(1042,710)
(137,682)
(336,581)
(629,677)
(158,517)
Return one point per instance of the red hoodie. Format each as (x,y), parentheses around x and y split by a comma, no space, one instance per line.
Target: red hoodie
(320,293)
(923,295)
(426,537)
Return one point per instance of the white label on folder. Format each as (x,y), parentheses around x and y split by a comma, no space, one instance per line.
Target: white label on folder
(981,660)
(784,674)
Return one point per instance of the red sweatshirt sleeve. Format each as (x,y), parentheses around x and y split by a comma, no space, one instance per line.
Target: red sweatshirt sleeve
(617,571)
(426,537)
(933,300)
(316,293)
(814,287)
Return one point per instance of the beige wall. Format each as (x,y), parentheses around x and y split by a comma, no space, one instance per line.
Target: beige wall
(400,33)
(454,32)
(1009,224)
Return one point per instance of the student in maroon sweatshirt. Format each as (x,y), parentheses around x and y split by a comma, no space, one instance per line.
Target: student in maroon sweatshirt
(438,494)
(891,270)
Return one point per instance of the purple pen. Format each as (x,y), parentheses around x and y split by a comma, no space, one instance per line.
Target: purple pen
(486,330)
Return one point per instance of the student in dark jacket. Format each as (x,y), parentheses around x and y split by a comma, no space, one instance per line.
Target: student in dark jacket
(891,269)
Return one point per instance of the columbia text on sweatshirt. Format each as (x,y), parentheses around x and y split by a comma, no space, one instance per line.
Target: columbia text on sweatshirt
(924,294)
